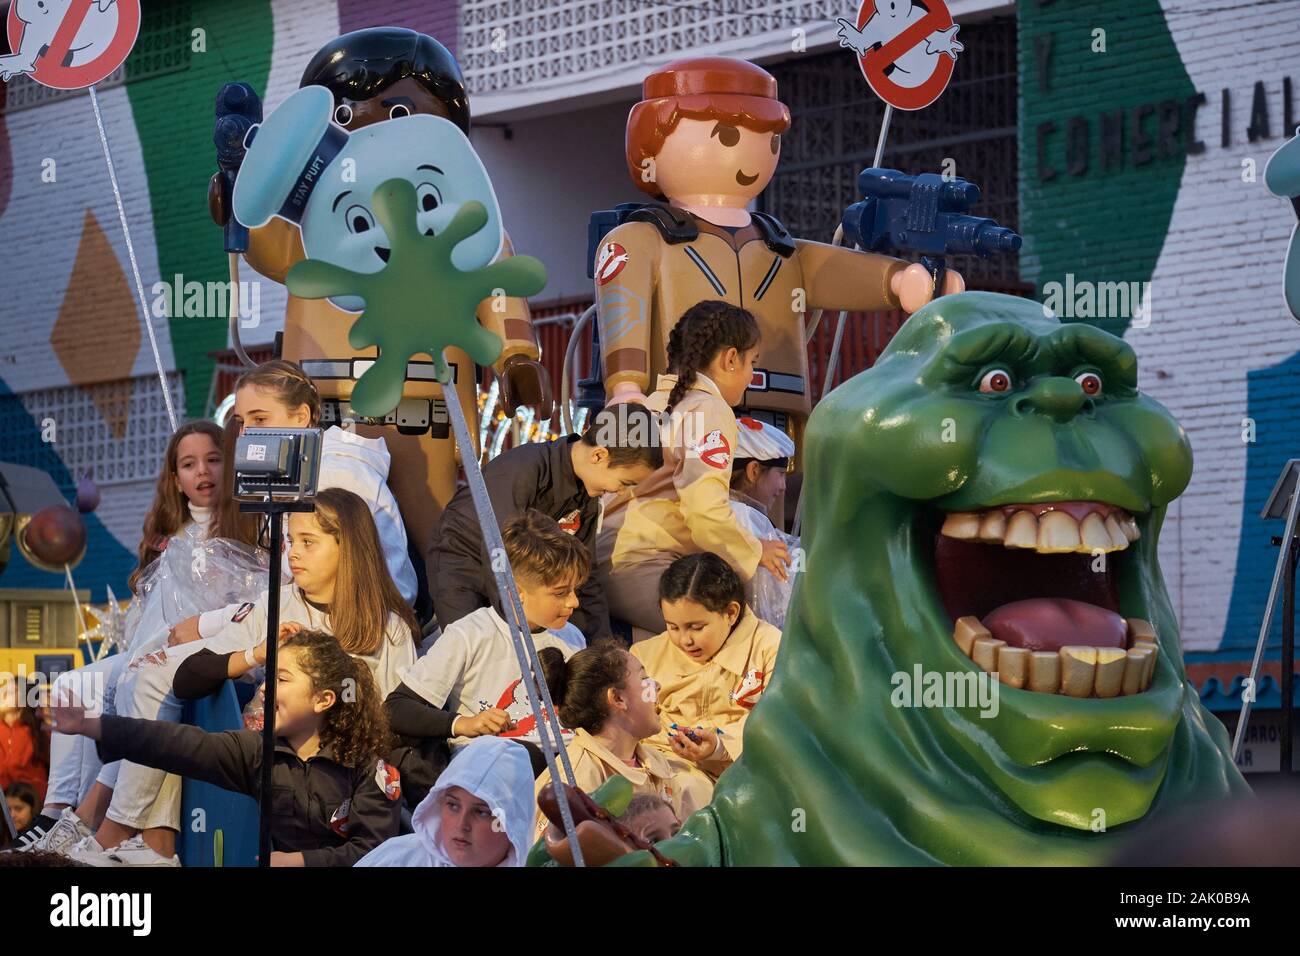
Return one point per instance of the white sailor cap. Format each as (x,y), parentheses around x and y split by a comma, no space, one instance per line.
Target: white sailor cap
(761,441)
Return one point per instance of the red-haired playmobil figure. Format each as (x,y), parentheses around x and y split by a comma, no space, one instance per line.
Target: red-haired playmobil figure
(707,137)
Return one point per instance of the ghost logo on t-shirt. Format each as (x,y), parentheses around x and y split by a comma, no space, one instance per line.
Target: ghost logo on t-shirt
(242,612)
(514,701)
(571,522)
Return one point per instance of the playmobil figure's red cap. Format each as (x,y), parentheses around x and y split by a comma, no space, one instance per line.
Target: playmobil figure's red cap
(705,75)
(718,88)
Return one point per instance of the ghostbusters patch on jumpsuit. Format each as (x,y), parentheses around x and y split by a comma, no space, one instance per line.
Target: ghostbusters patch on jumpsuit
(341,821)
(750,689)
(242,612)
(571,522)
(714,449)
(613,258)
(388,780)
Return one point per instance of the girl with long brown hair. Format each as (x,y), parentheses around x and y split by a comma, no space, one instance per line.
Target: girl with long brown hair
(194,487)
(197,551)
(345,800)
(340,586)
(279,394)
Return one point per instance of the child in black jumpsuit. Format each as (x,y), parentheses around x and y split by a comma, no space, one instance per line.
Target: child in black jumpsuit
(335,798)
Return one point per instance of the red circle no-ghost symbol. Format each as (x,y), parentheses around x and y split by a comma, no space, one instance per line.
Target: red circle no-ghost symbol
(73,48)
(613,258)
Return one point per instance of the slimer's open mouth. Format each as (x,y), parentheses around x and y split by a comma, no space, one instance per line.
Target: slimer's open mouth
(1031,589)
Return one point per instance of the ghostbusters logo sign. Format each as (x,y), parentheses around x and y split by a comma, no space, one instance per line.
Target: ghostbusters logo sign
(610,263)
(906,49)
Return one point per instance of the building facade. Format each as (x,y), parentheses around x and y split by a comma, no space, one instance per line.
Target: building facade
(1125,140)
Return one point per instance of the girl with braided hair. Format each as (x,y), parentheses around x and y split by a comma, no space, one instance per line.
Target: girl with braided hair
(683,508)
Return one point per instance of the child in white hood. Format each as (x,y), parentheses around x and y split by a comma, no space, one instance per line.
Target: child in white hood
(480,813)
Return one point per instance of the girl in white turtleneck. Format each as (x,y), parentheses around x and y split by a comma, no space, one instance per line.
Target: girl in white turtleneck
(191,508)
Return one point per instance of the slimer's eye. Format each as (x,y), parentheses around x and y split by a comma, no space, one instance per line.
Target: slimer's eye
(1090,382)
(359,219)
(996,380)
(427,197)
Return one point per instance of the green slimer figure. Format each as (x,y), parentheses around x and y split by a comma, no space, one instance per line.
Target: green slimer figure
(419,302)
(979,403)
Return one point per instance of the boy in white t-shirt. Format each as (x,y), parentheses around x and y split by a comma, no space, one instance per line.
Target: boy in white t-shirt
(469,683)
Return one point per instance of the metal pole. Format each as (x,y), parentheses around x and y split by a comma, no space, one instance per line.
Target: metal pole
(1282,559)
(884,131)
(135,266)
(539,696)
(268,706)
(1288,655)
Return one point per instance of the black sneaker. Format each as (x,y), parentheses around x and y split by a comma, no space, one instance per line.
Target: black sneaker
(38,828)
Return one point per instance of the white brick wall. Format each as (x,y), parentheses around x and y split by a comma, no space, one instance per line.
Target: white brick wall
(1217,310)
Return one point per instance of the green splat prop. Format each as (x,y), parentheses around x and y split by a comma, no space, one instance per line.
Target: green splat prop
(833,772)
(419,302)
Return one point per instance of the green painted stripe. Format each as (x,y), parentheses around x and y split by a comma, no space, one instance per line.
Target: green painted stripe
(173,113)
(1101,226)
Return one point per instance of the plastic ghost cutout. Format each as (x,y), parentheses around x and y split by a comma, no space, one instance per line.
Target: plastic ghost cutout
(395,217)
(1282,177)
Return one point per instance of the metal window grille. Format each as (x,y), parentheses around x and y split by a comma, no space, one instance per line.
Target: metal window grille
(835,121)
(83,437)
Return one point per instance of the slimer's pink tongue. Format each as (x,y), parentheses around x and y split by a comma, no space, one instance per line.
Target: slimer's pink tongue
(1048,624)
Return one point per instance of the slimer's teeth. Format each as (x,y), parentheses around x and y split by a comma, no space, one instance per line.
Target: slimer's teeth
(1135,669)
(1109,679)
(966,631)
(1051,532)
(1118,539)
(1075,671)
(961,525)
(1058,533)
(1013,666)
(1022,531)
(1139,631)
(1044,672)
(1078,669)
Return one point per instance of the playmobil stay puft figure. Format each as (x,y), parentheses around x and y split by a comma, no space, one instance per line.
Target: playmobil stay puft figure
(379,75)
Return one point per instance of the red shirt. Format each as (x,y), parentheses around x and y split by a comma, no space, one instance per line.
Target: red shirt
(17,758)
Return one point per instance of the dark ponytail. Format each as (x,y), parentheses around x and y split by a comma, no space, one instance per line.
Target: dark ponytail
(704,330)
(578,685)
(705,579)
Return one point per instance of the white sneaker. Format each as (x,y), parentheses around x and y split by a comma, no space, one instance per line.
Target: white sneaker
(88,851)
(135,852)
(67,831)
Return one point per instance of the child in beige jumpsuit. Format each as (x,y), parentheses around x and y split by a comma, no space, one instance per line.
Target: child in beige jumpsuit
(683,507)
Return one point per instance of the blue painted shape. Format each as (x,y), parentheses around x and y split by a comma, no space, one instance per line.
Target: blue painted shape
(1271,402)
(107,562)
(234,814)
(1220,699)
